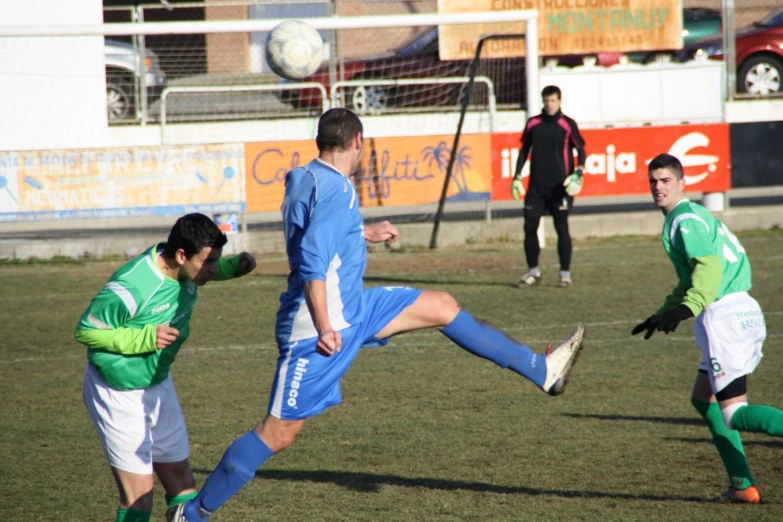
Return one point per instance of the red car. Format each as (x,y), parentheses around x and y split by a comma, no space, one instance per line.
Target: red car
(416,59)
(759,55)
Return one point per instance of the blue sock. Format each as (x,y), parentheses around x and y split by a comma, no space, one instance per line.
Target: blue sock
(237,467)
(486,341)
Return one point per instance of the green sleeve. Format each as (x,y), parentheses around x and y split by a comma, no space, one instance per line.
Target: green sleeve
(227,267)
(102,325)
(705,282)
(673,299)
(124,341)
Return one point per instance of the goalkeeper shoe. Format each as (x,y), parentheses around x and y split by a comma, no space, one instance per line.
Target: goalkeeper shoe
(751,495)
(528,280)
(573,184)
(560,360)
(564,281)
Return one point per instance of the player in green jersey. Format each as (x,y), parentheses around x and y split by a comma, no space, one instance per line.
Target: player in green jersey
(133,330)
(714,279)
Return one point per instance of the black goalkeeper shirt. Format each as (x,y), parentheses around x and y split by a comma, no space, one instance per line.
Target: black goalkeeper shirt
(552,139)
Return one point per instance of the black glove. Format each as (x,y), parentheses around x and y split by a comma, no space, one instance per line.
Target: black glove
(650,325)
(670,319)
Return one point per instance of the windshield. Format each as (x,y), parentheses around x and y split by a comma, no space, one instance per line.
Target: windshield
(774,19)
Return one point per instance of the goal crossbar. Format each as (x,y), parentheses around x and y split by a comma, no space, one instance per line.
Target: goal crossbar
(242,26)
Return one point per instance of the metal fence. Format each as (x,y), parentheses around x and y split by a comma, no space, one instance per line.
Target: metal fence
(237,59)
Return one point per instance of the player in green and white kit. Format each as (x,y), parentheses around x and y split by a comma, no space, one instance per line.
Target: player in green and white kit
(133,330)
(714,279)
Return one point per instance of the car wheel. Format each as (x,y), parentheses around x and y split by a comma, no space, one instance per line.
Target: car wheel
(119,98)
(760,75)
(369,99)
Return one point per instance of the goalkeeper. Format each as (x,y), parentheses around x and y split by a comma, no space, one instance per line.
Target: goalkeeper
(550,139)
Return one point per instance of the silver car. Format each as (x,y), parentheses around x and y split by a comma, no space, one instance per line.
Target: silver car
(123,74)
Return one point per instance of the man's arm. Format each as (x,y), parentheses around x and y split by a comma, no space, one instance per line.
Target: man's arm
(578,143)
(527,143)
(380,232)
(102,326)
(236,266)
(329,341)
(705,283)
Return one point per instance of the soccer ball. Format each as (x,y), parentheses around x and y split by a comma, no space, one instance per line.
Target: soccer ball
(294,50)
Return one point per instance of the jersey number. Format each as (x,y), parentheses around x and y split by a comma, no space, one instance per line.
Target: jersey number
(728,253)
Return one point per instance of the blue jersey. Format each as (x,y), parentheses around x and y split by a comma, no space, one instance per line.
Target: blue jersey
(324,234)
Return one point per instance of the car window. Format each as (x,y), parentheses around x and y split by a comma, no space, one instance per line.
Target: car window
(424,44)
(775,19)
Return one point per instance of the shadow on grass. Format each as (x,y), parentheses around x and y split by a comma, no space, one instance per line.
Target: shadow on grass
(656,420)
(371,483)
(774,444)
(408,281)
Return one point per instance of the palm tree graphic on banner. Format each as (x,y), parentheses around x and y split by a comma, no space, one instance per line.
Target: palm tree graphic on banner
(439,155)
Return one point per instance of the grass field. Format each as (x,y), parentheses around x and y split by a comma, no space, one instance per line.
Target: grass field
(426,431)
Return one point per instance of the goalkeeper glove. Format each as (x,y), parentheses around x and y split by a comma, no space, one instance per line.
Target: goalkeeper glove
(573,183)
(670,319)
(517,189)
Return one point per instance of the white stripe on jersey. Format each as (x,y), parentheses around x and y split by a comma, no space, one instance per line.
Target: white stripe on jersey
(97,323)
(126,297)
(678,219)
(277,404)
(303,327)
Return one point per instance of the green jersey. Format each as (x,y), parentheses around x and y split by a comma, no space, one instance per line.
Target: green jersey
(119,326)
(709,260)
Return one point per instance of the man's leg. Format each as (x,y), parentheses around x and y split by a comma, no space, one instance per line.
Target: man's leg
(441,310)
(534,210)
(726,440)
(560,209)
(238,466)
(177,481)
(135,496)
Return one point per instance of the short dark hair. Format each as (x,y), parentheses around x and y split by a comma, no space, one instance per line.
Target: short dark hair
(193,232)
(666,161)
(336,129)
(549,90)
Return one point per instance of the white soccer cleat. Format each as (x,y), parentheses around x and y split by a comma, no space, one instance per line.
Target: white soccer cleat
(560,360)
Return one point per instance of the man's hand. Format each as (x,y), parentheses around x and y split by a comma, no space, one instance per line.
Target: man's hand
(380,232)
(650,325)
(573,183)
(164,336)
(671,318)
(329,342)
(247,263)
(517,189)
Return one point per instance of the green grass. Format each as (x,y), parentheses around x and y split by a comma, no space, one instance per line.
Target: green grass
(426,431)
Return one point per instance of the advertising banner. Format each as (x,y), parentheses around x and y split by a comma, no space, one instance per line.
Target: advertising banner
(566,27)
(392,172)
(127,182)
(617,159)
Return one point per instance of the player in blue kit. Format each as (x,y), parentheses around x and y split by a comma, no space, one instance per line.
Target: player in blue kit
(326,315)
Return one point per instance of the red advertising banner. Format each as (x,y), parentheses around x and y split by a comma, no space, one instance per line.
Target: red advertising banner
(617,159)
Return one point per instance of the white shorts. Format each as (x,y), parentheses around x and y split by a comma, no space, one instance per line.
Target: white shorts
(136,427)
(730,333)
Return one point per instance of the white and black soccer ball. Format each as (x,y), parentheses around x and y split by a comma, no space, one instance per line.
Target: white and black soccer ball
(294,50)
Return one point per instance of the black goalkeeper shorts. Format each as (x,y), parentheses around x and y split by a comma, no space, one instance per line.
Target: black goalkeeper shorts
(554,201)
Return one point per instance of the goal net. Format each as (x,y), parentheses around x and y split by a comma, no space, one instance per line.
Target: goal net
(195,120)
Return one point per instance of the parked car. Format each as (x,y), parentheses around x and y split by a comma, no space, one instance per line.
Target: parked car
(418,58)
(122,66)
(759,55)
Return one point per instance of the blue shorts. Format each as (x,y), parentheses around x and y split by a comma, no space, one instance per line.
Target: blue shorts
(306,382)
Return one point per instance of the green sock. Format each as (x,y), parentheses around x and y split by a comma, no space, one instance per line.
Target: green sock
(760,419)
(132,515)
(180,499)
(728,444)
